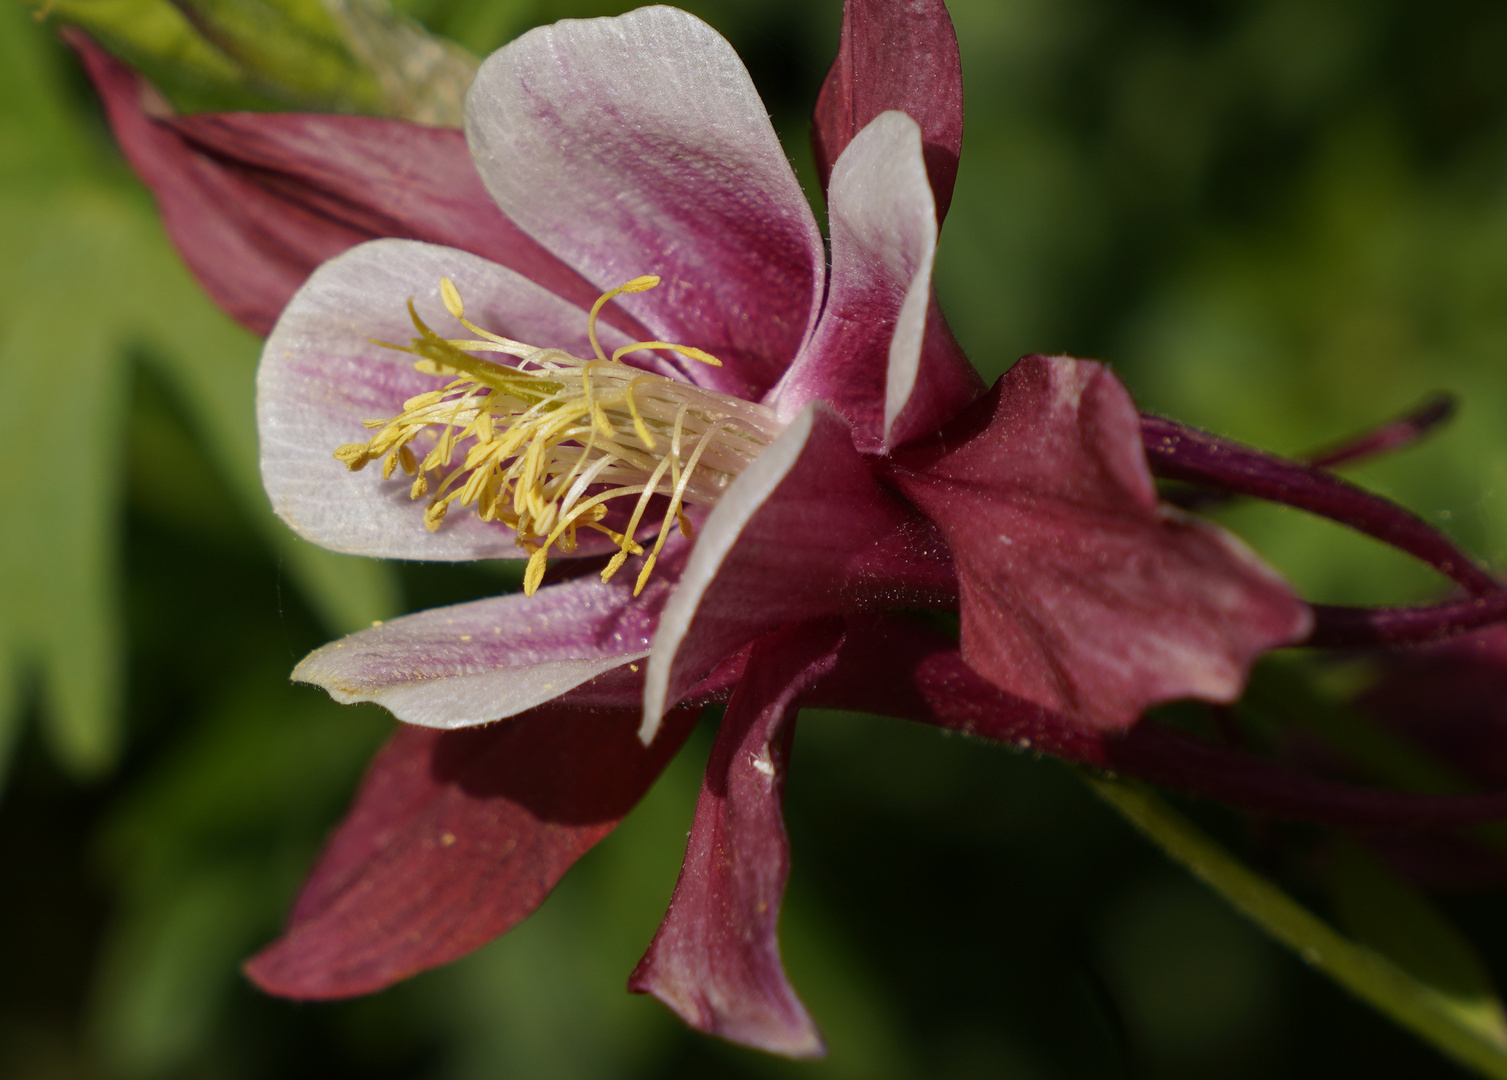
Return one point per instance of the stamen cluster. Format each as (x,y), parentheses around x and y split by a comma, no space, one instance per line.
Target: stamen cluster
(542,446)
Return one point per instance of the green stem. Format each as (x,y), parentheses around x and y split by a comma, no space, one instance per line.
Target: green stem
(1367,975)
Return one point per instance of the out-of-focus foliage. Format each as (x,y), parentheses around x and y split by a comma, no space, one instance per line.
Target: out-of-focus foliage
(320,55)
(1282,219)
(88,282)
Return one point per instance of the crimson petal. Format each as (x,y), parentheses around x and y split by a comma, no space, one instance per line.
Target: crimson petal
(715,959)
(255,201)
(1078,591)
(454,838)
(895,54)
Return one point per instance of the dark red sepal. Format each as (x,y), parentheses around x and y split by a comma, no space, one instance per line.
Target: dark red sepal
(454,838)
(716,959)
(895,54)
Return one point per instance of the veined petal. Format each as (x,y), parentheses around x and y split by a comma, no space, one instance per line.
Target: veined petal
(473,663)
(803,533)
(715,959)
(875,357)
(454,838)
(895,54)
(1079,592)
(255,201)
(321,375)
(638,145)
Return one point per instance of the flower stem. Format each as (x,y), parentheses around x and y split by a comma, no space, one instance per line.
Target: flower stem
(1434,1016)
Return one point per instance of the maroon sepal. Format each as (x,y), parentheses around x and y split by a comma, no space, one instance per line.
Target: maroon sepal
(895,54)
(1079,592)
(899,667)
(716,959)
(255,201)
(454,838)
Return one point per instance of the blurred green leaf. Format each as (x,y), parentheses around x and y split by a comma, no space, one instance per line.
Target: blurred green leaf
(87,276)
(1451,1023)
(1401,923)
(205,854)
(354,56)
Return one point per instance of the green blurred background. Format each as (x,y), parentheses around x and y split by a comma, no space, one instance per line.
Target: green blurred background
(1280,219)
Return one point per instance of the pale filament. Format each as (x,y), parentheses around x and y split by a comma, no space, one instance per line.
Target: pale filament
(550,441)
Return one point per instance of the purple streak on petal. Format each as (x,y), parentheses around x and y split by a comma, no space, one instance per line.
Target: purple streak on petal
(804,532)
(898,668)
(895,54)
(1359,627)
(638,145)
(1079,592)
(255,201)
(1177,452)
(875,356)
(474,663)
(453,839)
(321,375)
(716,958)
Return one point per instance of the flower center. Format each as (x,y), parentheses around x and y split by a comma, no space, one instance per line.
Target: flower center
(544,445)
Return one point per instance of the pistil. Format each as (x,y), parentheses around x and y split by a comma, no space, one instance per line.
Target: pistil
(544,445)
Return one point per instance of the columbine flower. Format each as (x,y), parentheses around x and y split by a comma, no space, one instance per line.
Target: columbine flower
(838,462)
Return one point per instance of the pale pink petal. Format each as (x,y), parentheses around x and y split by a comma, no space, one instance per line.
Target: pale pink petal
(804,532)
(868,356)
(473,663)
(716,958)
(638,145)
(321,375)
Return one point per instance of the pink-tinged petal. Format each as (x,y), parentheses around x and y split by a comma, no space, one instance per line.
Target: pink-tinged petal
(869,356)
(638,145)
(1079,592)
(453,839)
(716,959)
(255,201)
(803,533)
(322,374)
(473,663)
(895,54)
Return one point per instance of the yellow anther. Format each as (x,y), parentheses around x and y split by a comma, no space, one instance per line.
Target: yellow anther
(354,455)
(683,350)
(389,463)
(407,460)
(534,572)
(420,487)
(638,284)
(436,514)
(450,295)
(643,575)
(614,565)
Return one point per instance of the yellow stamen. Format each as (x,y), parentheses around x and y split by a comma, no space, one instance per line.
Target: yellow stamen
(683,350)
(544,446)
(638,284)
